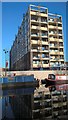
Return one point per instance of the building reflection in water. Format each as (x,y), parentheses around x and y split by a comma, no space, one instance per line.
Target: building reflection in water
(35,103)
(50,104)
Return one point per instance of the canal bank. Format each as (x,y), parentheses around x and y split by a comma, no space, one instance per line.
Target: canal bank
(37,74)
(18,81)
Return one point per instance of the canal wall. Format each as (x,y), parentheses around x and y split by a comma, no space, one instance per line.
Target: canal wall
(37,74)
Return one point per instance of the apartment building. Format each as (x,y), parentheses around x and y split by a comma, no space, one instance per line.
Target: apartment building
(39,42)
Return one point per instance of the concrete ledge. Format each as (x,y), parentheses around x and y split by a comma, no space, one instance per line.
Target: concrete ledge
(37,74)
(18,85)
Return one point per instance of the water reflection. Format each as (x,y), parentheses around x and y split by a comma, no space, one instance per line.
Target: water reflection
(51,103)
(40,103)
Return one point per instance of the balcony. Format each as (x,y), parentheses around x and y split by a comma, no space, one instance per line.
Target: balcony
(35,27)
(60,40)
(37,13)
(60,28)
(44,28)
(36,57)
(43,15)
(45,58)
(44,35)
(35,65)
(61,59)
(51,27)
(43,22)
(45,65)
(44,43)
(34,12)
(51,20)
(34,41)
(45,50)
(59,21)
(53,39)
(54,52)
(53,46)
(54,59)
(61,46)
(54,27)
(34,50)
(60,34)
(35,35)
(61,53)
(34,20)
(52,64)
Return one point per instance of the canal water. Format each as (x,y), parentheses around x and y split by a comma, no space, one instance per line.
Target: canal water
(34,103)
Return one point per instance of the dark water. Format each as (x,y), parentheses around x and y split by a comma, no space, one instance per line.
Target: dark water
(36,103)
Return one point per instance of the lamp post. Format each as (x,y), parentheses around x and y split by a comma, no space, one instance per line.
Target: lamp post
(5,51)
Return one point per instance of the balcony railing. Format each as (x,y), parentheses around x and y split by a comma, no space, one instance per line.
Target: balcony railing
(44,42)
(52,20)
(34,20)
(53,39)
(37,13)
(34,41)
(54,52)
(44,28)
(36,35)
(34,27)
(36,57)
(45,65)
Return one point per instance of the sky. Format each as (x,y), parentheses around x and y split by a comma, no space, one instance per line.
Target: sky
(12,15)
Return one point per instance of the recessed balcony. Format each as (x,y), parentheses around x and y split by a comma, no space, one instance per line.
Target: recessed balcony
(43,22)
(45,65)
(35,65)
(45,58)
(51,27)
(53,46)
(61,46)
(36,57)
(60,28)
(54,59)
(60,40)
(44,43)
(35,27)
(34,50)
(34,41)
(43,15)
(45,51)
(44,28)
(33,20)
(44,35)
(54,52)
(37,13)
(33,12)
(60,33)
(61,53)
(61,59)
(54,27)
(34,35)
(53,39)
(51,20)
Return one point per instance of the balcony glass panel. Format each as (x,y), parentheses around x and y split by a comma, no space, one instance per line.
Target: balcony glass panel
(34,34)
(34,18)
(43,20)
(44,33)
